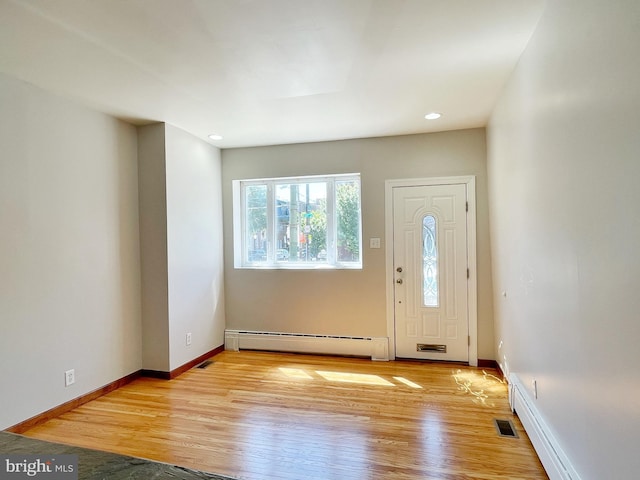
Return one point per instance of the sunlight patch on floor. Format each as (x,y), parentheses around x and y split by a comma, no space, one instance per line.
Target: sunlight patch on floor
(482,387)
(295,373)
(409,383)
(346,377)
(361,378)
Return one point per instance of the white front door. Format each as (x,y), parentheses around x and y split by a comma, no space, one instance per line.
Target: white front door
(430,272)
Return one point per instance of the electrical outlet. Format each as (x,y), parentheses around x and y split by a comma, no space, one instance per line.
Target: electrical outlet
(69,377)
(188,339)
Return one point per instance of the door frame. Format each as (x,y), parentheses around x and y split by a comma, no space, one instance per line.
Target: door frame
(472,284)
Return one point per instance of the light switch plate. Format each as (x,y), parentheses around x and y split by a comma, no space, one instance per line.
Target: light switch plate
(374,243)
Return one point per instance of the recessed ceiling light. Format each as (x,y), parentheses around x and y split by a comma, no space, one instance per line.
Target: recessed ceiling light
(432,116)
(215,136)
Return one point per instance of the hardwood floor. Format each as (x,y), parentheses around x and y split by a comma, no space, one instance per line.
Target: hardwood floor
(265,416)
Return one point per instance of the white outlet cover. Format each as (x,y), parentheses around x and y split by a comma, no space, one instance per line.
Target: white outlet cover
(374,243)
(69,377)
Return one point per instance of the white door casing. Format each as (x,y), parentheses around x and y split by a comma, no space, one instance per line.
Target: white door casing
(447,319)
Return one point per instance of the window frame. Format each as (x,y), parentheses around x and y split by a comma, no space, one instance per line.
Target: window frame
(240,239)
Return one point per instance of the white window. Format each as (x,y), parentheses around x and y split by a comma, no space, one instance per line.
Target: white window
(298,222)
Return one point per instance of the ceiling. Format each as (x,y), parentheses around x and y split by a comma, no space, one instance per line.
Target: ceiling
(262,72)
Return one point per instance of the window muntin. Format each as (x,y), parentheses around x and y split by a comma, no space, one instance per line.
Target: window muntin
(301,222)
(348,219)
(430,287)
(256,223)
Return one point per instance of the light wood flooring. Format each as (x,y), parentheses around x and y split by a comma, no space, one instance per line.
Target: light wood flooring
(270,416)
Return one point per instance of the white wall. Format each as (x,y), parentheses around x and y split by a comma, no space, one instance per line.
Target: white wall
(194,246)
(564,164)
(181,236)
(69,250)
(349,302)
(70,268)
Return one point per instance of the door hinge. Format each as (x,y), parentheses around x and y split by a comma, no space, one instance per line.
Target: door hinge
(466,206)
(467,273)
(468,340)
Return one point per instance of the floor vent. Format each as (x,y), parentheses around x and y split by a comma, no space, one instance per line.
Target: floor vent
(505,428)
(205,364)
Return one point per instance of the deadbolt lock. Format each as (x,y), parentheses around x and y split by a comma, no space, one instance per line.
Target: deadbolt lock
(399,281)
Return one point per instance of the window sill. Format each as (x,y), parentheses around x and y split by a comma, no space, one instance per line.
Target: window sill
(298,267)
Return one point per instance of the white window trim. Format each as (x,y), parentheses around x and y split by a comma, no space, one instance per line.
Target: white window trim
(239,234)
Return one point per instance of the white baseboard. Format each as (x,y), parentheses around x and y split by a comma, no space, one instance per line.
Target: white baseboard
(375,347)
(553,459)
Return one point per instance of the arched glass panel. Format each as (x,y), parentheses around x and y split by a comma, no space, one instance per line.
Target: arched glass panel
(429,262)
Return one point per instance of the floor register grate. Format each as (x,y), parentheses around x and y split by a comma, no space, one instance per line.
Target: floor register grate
(505,428)
(205,364)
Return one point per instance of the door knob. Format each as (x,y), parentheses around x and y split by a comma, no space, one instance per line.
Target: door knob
(399,281)
(399,269)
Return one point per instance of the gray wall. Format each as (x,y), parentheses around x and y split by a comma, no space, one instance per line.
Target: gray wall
(152,181)
(69,250)
(564,163)
(349,302)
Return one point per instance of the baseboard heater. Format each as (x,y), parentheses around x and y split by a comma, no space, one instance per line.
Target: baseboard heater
(552,457)
(375,347)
